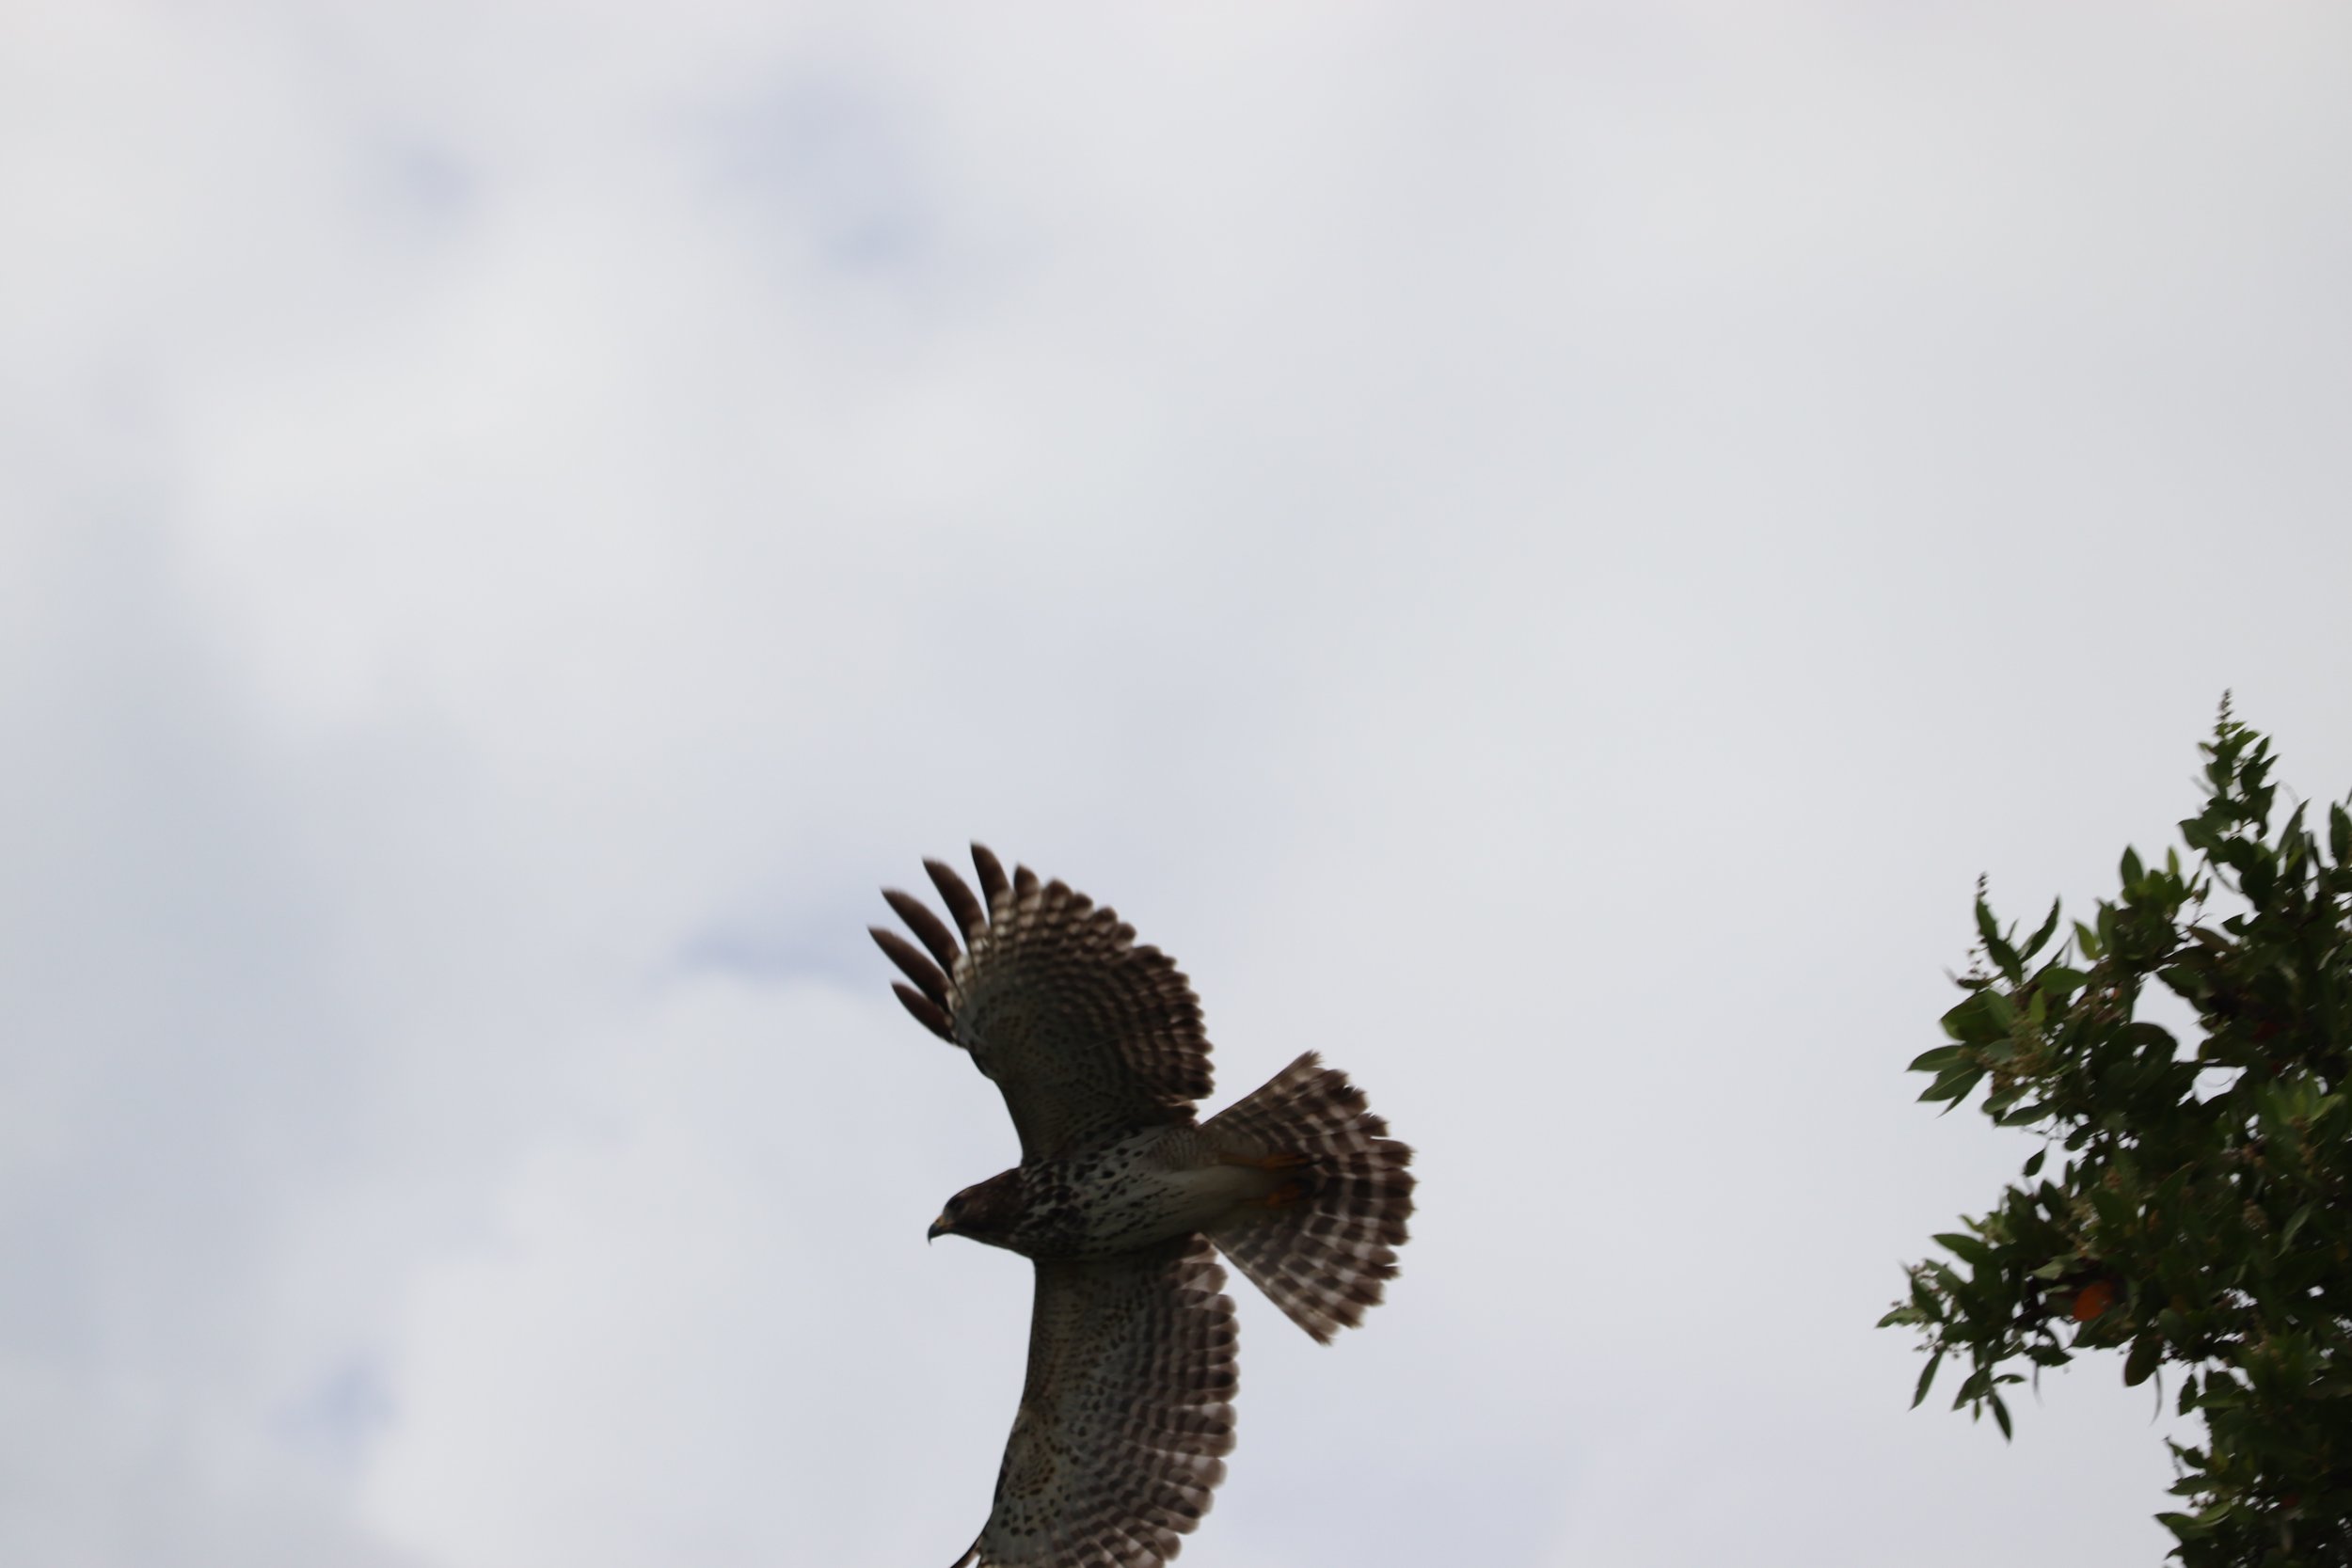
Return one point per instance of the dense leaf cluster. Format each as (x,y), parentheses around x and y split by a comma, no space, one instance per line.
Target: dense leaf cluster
(2201,1212)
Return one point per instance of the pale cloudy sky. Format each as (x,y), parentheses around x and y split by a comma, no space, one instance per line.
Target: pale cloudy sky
(1539,549)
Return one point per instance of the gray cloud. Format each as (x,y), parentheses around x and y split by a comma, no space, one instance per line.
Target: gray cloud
(1541,556)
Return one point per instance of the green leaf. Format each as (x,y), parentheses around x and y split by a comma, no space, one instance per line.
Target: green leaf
(1968,1249)
(1964,1019)
(2286,1237)
(2340,835)
(2034,944)
(2000,1414)
(1955,1084)
(2023,1114)
(2004,956)
(2142,1361)
(2059,981)
(1927,1375)
(2033,1161)
(1935,1060)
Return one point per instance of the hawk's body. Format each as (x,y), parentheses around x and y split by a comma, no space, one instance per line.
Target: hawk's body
(1097,1046)
(1150,1186)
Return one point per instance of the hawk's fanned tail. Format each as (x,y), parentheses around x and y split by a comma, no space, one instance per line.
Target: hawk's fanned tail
(1325,1249)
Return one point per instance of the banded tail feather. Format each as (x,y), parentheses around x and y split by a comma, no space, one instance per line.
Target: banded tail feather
(1325,1256)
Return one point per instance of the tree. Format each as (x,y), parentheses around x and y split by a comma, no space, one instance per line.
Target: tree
(2200,1213)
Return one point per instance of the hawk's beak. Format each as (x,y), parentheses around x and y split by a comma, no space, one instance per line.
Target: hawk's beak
(939,1227)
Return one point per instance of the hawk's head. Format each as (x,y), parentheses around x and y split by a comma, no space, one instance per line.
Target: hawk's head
(985,1213)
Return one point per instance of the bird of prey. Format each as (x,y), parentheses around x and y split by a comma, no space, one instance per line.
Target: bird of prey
(1123,1200)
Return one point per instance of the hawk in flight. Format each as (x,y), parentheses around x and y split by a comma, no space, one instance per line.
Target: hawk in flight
(1123,1199)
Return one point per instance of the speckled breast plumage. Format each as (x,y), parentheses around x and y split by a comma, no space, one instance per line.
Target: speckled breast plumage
(1117,1198)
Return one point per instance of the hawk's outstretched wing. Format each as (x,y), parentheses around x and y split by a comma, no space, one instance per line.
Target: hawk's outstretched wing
(1124,1417)
(1088,1035)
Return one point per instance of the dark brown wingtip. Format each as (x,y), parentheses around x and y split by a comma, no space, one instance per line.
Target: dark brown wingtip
(958,899)
(911,963)
(926,1012)
(926,926)
(991,872)
(1024,881)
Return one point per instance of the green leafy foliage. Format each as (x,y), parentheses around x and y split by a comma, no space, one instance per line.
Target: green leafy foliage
(2200,1213)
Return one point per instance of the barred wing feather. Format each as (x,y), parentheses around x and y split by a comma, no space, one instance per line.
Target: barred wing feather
(1086,1035)
(1125,1417)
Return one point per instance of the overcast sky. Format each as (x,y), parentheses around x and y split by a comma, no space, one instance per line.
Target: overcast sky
(1539,549)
